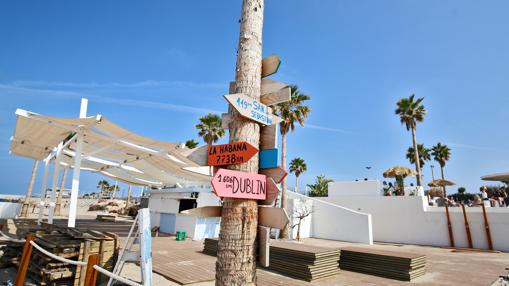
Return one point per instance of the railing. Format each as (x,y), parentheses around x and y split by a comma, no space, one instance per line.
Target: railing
(91,264)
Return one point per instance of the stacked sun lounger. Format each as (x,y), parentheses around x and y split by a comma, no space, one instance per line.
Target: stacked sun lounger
(388,264)
(210,246)
(303,261)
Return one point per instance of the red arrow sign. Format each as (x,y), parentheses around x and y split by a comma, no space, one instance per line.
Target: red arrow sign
(236,184)
(278,174)
(228,154)
(272,192)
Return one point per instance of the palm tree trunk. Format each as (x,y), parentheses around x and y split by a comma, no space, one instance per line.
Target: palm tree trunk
(417,162)
(24,208)
(443,178)
(297,184)
(236,259)
(284,232)
(58,206)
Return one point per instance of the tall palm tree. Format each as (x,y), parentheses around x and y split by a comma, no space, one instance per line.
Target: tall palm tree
(298,166)
(411,112)
(441,153)
(292,112)
(320,188)
(210,128)
(422,152)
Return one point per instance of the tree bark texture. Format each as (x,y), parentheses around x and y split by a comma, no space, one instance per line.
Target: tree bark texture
(24,208)
(416,158)
(443,178)
(284,232)
(58,206)
(236,259)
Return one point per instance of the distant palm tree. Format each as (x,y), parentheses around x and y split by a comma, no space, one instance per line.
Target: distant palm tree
(210,128)
(410,112)
(103,185)
(298,166)
(292,112)
(423,154)
(191,144)
(320,188)
(441,153)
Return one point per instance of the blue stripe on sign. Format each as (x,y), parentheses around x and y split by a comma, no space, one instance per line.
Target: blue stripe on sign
(268,158)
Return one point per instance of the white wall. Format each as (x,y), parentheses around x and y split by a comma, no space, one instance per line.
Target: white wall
(355,188)
(408,219)
(9,210)
(330,221)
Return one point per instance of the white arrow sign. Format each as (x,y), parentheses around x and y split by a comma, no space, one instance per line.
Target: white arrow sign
(252,109)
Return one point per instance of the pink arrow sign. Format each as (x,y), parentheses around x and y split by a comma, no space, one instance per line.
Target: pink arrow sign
(236,184)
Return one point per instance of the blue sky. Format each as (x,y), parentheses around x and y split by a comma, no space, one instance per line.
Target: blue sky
(143,63)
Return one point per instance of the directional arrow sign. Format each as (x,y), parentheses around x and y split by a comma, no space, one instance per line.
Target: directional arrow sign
(272,192)
(278,174)
(270,65)
(270,86)
(268,137)
(272,217)
(252,109)
(236,184)
(279,96)
(268,158)
(233,153)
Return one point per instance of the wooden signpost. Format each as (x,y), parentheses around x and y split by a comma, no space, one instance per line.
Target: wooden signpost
(270,65)
(236,184)
(268,137)
(274,98)
(269,86)
(272,192)
(252,109)
(272,217)
(278,174)
(268,158)
(229,154)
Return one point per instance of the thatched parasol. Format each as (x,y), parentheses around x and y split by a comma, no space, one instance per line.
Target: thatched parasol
(399,171)
(441,183)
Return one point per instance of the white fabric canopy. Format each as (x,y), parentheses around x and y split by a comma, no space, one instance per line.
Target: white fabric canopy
(107,149)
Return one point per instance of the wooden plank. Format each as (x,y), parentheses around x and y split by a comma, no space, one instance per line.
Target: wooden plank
(269,86)
(236,184)
(270,65)
(272,217)
(268,137)
(277,97)
(263,245)
(268,159)
(232,153)
(225,120)
(278,174)
(272,192)
(207,211)
(252,109)
(199,155)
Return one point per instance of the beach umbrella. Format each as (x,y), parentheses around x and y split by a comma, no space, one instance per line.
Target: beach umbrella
(399,171)
(441,183)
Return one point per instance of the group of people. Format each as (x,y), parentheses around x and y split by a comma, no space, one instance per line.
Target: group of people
(498,198)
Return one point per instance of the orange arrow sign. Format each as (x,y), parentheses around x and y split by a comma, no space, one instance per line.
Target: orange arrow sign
(229,154)
(278,174)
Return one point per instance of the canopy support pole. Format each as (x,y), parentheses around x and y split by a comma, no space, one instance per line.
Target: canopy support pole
(56,173)
(73,205)
(43,189)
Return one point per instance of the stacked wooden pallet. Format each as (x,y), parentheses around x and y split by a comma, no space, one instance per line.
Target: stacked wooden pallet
(11,254)
(388,264)
(305,262)
(210,246)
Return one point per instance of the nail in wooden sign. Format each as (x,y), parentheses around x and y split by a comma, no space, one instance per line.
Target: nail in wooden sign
(270,65)
(252,109)
(278,174)
(268,158)
(229,154)
(236,184)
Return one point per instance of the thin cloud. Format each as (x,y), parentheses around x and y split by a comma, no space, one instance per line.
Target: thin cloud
(472,147)
(116,85)
(109,100)
(330,129)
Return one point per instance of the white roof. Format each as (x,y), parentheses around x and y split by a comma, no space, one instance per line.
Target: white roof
(502,177)
(107,149)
